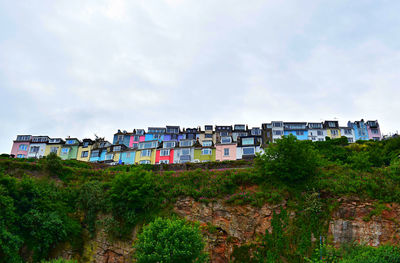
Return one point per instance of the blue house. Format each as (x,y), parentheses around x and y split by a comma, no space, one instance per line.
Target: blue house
(360,129)
(155,133)
(123,137)
(298,129)
(128,157)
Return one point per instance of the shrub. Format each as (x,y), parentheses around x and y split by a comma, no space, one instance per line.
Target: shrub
(53,164)
(289,159)
(170,241)
(364,254)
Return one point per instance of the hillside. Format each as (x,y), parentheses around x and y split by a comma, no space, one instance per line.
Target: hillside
(274,208)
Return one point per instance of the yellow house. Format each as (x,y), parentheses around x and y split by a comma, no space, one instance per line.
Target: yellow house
(84,150)
(332,129)
(54,145)
(114,152)
(146,156)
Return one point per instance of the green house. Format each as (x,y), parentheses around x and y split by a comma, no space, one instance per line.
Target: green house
(204,154)
(70,149)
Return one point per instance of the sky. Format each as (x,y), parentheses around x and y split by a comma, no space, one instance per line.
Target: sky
(79,68)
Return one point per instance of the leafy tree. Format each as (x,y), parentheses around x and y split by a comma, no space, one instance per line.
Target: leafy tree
(170,241)
(289,159)
(53,164)
(365,254)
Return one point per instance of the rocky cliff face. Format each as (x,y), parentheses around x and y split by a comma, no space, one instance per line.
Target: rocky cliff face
(229,226)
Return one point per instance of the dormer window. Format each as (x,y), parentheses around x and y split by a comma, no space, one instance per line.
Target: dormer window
(186,143)
(223,133)
(117,148)
(225,140)
(208,127)
(207,143)
(70,142)
(248,141)
(168,144)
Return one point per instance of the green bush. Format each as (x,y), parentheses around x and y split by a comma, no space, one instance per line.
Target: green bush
(53,164)
(170,241)
(289,159)
(365,254)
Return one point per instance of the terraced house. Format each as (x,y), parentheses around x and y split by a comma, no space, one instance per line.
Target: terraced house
(173,144)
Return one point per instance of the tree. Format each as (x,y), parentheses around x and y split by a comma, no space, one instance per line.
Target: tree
(170,241)
(289,159)
(53,164)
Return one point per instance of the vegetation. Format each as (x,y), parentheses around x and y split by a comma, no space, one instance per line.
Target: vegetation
(170,241)
(46,202)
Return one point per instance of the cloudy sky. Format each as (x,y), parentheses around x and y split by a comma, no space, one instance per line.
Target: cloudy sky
(76,68)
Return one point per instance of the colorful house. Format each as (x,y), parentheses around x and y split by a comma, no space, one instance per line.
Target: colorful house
(332,129)
(360,130)
(114,152)
(70,149)
(99,150)
(137,136)
(184,152)
(155,133)
(239,130)
(207,134)
(84,150)
(20,146)
(277,130)
(348,133)
(128,156)
(123,137)
(266,134)
(226,151)
(247,147)
(374,132)
(316,131)
(204,154)
(165,155)
(54,146)
(146,153)
(37,146)
(298,129)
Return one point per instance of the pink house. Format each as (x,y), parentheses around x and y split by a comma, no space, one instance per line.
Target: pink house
(20,146)
(225,152)
(374,132)
(137,136)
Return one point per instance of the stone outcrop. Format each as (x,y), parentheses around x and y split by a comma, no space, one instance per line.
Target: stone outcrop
(226,226)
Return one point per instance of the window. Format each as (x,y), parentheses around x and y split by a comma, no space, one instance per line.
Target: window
(208,127)
(255,131)
(334,132)
(347,132)
(248,150)
(85,144)
(299,133)
(109,156)
(172,130)
(186,143)
(375,138)
(226,151)
(169,145)
(248,141)
(321,139)
(128,155)
(144,162)
(208,136)
(117,148)
(23,147)
(64,150)
(136,138)
(54,149)
(331,124)
(190,136)
(146,145)
(157,136)
(374,131)
(95,153)
(145,153)
(34,149)
(84,154)
(320,133)
(54,140)
(350,140)
(20,155)
(278,133)
(240,127)
(226,139)
(206,151)
(277,124)
(70,142)
(164,153)
(185,151)
(23,138)
(164,161)
(207,143)
(223,134)
(120,138)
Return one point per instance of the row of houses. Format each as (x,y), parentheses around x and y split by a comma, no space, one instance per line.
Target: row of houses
(171,144)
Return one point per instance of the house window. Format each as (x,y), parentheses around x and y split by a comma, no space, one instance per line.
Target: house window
(147,145)
(109,156)
(350,140)
(120,138)
(334,132)
(374,131)
(226,139)
(223,134)
(239,127)
(136,138)
(278,133)
(190,136)
(85,144)
(144,162)
(164,161)
(277,124)
(169,145)
(95,153)
(321,139)
(375,138)
(208,136)
(255,131)
(320,133)
(20,155)
(226,151)
(34,149)
(248,141)
(206,151)
(248,150)
(145,153)
(128,155)
(299,133)
(64,150)
(208,127)
(157,136)
(207,143)
(23,147)
(164,153)
(186,143)
(185,151)
(347,132)
(117,148)
(84,154)
(70,142)
(54,149)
